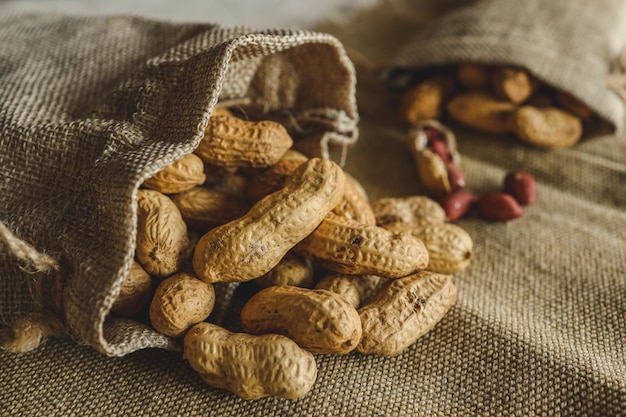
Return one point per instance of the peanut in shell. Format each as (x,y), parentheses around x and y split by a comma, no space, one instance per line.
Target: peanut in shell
(179,176)
(252,245)
(403,310)
(230,141)
(549,128)
(249,366)
(319,321)
(349,247)
(162,239)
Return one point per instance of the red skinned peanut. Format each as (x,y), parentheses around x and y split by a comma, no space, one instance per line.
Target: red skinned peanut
(498,207)
(457,204)
(522,186)
(455,176)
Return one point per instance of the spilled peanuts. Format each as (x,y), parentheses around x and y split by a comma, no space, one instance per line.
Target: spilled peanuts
(302,235)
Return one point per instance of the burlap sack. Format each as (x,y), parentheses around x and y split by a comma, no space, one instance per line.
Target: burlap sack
(90,108)
(571,45)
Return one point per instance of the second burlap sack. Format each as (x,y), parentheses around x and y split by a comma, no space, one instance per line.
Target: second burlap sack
(571,45)
(91,107)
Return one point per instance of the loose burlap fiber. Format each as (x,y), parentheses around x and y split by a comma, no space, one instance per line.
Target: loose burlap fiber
(91,107)
(571,45)
(539,327)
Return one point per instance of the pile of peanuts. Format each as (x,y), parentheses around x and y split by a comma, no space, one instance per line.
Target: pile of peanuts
(499,100)
(494,100)
(335,273)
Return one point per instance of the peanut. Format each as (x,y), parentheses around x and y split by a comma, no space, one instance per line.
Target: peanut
(250,366)
(522,186)
(349,247)
(230,141)
(179,302)
(500,207)
(494,99)
(162,239)
(433,147)
(422,101)
(205,208)
(513,84)
(413,210)
(479,110)
(449,246)
(291,270)
(319,321)
(179,176)
(546,128)
(356,289)
(135,292)
(272,179)
(457,204)
(250,246)
(403,310)
(473,76)
(355,205)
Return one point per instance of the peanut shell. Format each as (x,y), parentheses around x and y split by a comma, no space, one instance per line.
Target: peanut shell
(549,128)
(419,210)
(473,76)
(349,247)
(179,176)
(291,270)
(319,321)
(250,246)
(431,168)
(513,84)
(135,292)
(355,205)
(573,105)
(230,141)
(206,208)
(356,289)
(403,310)
(449,246)
(162,239)
(422,101)
(481,111)
(179,302)
(250,366)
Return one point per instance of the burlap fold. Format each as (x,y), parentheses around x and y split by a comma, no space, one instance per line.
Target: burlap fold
(91,106)
(571,45)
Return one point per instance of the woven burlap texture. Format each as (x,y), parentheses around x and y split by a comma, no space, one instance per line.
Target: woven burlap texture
(539,327)
(93,106)
(571,45)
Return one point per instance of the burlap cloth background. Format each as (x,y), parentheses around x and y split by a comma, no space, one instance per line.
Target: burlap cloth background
(539,327)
